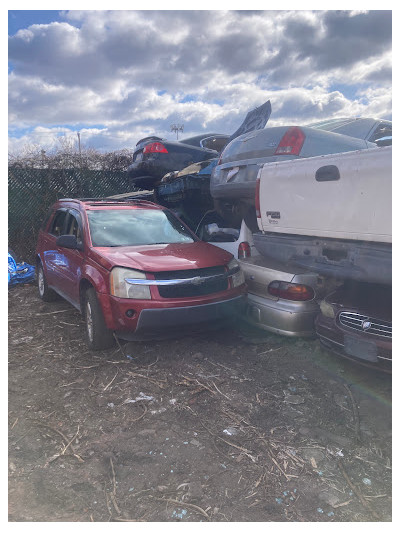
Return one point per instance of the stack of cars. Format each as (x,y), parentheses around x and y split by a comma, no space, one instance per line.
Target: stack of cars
(331,215)
(291,287)
(295,205)
(288,278)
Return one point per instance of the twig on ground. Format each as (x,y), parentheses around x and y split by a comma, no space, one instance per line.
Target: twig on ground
(224,395)
(158,383)
(54,312)
(142,415)
(356,415)
(70,442)
(106,387)
(67,441)
(244,450)
(357,491)
(183,504)
(194,380)
(372,462)
(119,344)
(114,492)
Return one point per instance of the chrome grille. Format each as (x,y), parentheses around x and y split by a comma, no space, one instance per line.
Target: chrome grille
(216,283)
(366,324)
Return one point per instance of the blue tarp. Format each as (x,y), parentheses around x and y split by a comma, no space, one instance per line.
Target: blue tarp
(19,272)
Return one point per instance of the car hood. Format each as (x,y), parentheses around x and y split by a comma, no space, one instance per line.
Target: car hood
(162,257)
(368,299)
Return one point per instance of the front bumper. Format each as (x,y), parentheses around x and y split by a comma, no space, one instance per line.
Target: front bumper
(174,321)
(284,317)
(372,351)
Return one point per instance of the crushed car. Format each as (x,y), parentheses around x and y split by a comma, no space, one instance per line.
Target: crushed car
(133,269)
(355,322)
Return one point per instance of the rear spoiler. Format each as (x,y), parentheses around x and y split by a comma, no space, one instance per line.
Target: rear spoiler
(148,139)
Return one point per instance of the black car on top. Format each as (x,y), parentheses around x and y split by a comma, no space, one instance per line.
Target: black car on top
(154,157)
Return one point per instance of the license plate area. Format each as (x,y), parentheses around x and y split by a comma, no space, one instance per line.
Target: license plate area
(367,351)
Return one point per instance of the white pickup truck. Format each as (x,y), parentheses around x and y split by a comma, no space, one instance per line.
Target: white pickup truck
(331,214)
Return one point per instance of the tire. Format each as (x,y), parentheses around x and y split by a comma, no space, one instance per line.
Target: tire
(250,219)
(45,294)
(98,336)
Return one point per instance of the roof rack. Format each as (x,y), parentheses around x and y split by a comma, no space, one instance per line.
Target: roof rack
(109,200)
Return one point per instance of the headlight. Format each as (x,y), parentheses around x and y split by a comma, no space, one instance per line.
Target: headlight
(122,289)
(237,277)
(326,309)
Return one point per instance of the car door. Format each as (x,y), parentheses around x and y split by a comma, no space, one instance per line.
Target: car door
(52,262)
(71,260)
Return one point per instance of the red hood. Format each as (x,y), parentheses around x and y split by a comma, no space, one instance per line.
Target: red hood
(162,257)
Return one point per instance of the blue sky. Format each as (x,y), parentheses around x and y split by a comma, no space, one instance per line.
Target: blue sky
(118,76)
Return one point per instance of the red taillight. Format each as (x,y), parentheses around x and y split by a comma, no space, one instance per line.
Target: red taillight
(244,250)
(152,148)
(291,291)
(291,143)
(257,200)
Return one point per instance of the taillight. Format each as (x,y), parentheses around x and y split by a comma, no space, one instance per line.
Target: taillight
(292,142)
(244,250)
(257,200)
(291,291)
(152,148)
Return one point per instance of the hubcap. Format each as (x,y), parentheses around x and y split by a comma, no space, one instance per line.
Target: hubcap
(89,321)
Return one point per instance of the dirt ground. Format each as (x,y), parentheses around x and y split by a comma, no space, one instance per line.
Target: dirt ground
(234,425)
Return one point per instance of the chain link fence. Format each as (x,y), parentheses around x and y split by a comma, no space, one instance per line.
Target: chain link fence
(31,192)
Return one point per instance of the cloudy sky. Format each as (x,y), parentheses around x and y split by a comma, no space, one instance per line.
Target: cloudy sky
(118,76)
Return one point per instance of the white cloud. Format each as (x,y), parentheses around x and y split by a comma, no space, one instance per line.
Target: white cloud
(128,73)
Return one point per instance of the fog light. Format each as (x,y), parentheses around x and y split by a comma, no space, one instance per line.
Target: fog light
(326,309)
(130,313)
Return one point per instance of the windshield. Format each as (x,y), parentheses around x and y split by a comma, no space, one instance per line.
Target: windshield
(133,227)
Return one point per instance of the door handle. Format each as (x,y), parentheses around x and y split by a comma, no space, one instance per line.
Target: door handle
(327,173)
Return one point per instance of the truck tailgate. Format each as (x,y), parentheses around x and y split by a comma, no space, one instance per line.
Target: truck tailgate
(341,196)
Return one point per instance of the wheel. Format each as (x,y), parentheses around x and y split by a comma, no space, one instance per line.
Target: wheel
(46,294)
(98,336)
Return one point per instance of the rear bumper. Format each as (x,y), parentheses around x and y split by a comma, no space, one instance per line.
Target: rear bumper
(145,168)
(344,259)
(294,319)
(236,191)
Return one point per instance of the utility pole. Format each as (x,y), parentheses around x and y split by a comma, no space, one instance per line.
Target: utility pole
(176,128)
(79,143)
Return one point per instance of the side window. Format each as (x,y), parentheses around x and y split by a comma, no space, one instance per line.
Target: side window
(58,223)
(74,226)
(383,130)
(47,218)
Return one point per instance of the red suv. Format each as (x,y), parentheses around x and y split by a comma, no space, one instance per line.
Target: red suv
(133,268)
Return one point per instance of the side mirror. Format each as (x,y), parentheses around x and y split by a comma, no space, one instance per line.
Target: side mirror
(384,141)
(69,241)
